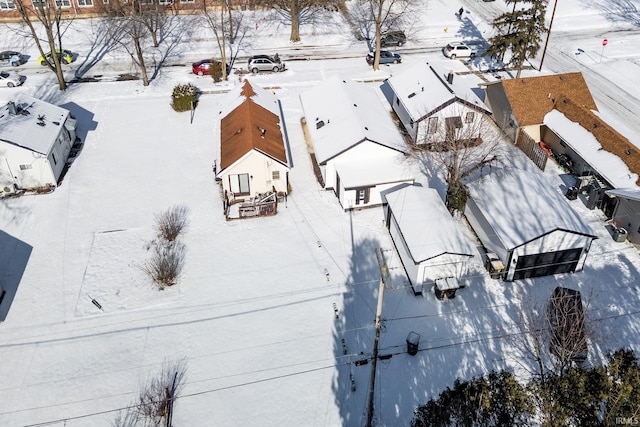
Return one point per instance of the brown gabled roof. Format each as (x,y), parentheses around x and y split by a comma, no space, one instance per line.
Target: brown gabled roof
(608,137)
(250,127)
(533,97)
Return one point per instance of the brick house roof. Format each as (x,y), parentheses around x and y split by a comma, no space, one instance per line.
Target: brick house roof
(533,97)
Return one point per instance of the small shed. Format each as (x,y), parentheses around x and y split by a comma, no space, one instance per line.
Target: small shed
(431,104)
(253,154)
(355,143)
(35,142)
(528,224)
(428,240)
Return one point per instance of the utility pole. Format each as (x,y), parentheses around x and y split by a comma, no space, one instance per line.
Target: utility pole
(544,51)
(372,379)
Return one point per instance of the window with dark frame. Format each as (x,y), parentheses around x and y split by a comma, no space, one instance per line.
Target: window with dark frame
(275,175)
(432,125)
(468,118)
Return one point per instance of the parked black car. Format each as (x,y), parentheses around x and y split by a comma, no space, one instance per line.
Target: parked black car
(386,57)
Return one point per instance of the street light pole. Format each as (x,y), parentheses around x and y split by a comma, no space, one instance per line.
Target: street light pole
(544,51)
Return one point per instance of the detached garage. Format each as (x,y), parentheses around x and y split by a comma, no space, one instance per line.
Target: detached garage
(529,225)
(433,250)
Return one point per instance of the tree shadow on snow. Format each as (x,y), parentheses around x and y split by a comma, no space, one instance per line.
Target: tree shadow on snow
(14,257)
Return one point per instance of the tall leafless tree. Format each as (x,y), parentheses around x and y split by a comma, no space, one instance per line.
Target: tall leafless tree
(460,144)
(220,18)
(378,16)
(48,15)
(128,26)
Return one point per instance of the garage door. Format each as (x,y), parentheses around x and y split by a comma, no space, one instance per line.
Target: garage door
(547,263)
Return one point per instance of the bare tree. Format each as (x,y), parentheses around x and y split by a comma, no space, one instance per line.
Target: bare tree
(460,144)
(156,398)
(49,16)
(222,21)
(154,16)
(298,12)
(380,16)
(549,339)
(129,27)
(172,222)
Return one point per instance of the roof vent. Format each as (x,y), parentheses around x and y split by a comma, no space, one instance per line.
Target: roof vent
(628,152)
(319,124)
(12,108)
(450,77)
(411,95)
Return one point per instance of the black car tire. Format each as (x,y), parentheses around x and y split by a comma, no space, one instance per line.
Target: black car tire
(395,61)
(10,84)
(400,44)
(254,70)
(276,69)
(200,73)
(44,63)
(453,56)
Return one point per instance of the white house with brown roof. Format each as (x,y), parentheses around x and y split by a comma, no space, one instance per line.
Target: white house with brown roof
(433,105)
(253,154)
(35,141)
(356,145)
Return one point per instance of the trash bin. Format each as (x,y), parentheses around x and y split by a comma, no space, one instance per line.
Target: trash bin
(413,341)
(619,234)
(572,193)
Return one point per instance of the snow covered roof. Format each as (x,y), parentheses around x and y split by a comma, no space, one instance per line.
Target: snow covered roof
(521,206)
(533,97)
(341,113)
(373,171)
(584,143)
(246,91)
(422,89)
(626,193)
(35,126)
(607,139)
(425,224)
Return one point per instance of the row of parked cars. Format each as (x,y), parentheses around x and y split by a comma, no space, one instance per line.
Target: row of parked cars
(12,58)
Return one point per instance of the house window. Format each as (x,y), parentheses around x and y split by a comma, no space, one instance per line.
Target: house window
(432,126)
(7,4)
(362,196)
(239,184)
(63,3)
(468,118)
(55,161)
(186,1)
(38,3)
(85,2)
(25,167)
(275,175)
(105,1)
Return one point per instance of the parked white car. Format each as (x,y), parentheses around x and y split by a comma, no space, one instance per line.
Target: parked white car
(11,79)
(455,50)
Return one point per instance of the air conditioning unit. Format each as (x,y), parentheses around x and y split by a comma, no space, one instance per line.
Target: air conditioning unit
(9,189)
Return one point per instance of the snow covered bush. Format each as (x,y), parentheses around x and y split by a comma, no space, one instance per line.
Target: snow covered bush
(184,97)
(172,222)
(166,263)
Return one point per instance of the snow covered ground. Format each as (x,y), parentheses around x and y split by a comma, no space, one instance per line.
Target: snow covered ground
(254,312)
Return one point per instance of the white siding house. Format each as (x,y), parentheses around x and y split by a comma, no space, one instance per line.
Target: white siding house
(430,103)
(35,141)
(356,145)
(528,224)
(427,238)
(253,154)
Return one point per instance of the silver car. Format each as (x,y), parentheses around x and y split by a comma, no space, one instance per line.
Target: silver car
(259,63)
(11,79)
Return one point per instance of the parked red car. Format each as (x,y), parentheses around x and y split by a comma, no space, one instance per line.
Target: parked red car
(201,68)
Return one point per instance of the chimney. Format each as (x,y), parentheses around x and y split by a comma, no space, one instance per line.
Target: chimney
(12,108)
(450,77)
